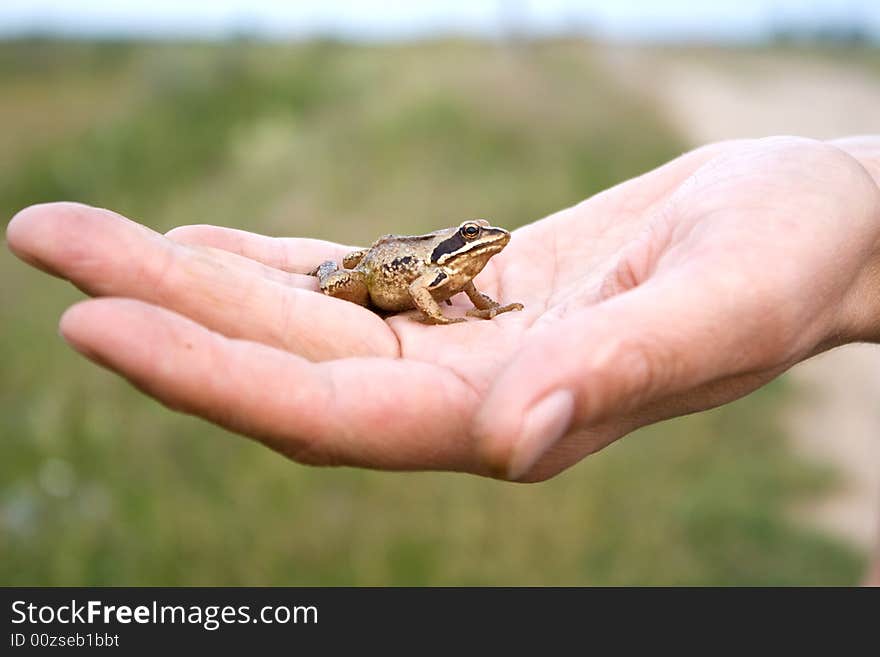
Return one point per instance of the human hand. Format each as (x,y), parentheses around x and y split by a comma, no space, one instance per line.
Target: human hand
(673,292)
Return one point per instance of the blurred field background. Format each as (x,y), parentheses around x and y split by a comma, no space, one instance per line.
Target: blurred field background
(101,486)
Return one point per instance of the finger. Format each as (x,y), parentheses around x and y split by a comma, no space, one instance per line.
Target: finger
(663,338)
(384,413)
(25,241)
(105,254)
(291,254)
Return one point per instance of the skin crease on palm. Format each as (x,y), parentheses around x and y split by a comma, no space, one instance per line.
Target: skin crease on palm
(676,291)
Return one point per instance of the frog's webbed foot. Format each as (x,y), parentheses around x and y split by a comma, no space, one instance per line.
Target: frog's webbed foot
(442,319)
(489,313)
(342,283)
(486,306)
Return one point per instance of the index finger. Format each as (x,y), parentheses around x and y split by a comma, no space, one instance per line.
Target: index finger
(298,255)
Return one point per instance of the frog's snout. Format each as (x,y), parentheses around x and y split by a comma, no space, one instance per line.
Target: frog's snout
(500,235)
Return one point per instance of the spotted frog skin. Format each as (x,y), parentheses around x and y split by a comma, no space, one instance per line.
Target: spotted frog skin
(401,272)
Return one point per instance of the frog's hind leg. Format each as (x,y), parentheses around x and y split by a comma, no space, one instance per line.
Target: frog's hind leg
(485,306)
(420,291)
(353,259)
(342,283)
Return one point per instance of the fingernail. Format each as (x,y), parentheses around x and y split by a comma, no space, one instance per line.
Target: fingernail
(543,425)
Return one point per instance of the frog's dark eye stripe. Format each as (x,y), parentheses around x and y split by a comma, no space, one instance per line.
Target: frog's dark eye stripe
(450,245)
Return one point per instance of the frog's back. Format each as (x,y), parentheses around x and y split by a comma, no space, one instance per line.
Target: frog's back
(408,242)
(391,264)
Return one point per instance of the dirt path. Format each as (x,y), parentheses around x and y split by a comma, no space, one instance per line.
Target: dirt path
(713,95)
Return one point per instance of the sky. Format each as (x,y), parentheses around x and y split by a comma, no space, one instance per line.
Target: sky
(726,20)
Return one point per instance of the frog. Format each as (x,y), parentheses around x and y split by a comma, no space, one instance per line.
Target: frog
(405,272)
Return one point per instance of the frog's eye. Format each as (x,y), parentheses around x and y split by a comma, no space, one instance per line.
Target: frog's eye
(470,231)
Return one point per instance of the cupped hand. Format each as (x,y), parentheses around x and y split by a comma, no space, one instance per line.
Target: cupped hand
(673,292)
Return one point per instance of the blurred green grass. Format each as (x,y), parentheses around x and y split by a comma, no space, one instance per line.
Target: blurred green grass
(99,485)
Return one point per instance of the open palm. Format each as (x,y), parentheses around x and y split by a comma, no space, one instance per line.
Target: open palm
(666,294)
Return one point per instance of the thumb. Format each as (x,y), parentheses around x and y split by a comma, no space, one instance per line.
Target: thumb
(661,338)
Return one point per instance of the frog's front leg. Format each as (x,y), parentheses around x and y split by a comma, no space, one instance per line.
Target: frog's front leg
(486,306)
(420,291)
(342,283)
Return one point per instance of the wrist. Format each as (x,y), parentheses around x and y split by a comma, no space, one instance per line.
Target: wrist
(859,316)
(860,312)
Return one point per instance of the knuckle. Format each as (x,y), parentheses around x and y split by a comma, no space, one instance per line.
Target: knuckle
(637,261)
(161,272)
(627,371)
(622,277)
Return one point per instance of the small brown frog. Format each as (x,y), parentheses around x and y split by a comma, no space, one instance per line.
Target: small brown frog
(400,272)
